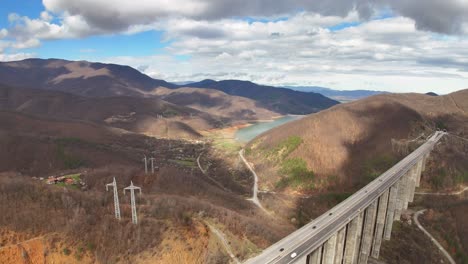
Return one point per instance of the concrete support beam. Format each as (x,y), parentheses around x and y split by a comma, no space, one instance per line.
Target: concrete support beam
(420,169)
(380,224)
(340,243)
(412,183)
(303,260)
(367,233)
(426,157)
(329,250)
(399,199)
(353,239)
(392,202)
(407,189)
(316,256)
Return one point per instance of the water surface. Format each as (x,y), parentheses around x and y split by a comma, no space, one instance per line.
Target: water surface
(248,133)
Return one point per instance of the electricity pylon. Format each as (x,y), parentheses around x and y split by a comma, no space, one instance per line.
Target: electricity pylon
(132,189)
(116,198)
(152,164)
(146,164)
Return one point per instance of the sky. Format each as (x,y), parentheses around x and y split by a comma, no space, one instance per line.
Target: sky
(391,45)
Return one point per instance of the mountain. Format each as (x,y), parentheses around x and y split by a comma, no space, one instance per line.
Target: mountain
(107,80)
(280,100)
(79,77)
(351,143)
(339,95)
(216,103)
(150,116)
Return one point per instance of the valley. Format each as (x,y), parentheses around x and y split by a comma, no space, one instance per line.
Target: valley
(238,166)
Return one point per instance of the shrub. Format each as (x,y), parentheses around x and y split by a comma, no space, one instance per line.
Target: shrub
(66,251)
(377,165)
(69,161)
(285,147)
(90,246)
(461,177)
(297,174)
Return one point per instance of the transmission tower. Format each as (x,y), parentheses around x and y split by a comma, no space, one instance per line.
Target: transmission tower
(152,164)
(132,189)
(116,198)
(146,164)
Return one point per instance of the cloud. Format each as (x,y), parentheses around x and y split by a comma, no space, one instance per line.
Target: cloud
(16,56)
(3,33)
(434,15)
(387,54)
(27,32)
(275,42)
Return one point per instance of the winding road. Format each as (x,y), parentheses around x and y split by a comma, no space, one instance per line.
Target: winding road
(224,241)
(451,193)
(446,254)
(254,198)
(208,176)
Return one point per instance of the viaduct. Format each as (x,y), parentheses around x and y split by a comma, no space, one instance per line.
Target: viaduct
(353,230)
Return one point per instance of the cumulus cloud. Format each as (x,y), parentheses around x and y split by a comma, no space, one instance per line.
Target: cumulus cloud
(15,56)
(434,15)
(385,54)
(282,42)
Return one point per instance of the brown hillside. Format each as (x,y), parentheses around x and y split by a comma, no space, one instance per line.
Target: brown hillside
(355,141)
(216,103)
(78,77)
(141,115)
(177,200)
(92,79)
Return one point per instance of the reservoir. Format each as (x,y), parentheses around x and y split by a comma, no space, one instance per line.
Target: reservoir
(248,133)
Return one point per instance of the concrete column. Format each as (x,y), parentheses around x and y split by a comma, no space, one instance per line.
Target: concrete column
(380,224)
(367,233)
(340,243)
(412,185)
(426,157)
(392,201)
(399,198)
(316,256)
(353,238)
(329,250)
(419,171)
(407,187)
(303,260)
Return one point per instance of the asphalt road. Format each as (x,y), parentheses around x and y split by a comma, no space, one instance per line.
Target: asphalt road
(439,246)
(254,198)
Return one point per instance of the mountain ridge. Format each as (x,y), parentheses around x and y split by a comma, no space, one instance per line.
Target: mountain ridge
(105,80)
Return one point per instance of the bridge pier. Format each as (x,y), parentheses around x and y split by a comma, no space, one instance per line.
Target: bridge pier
(426,157)
(392,203)
(399,199)
(353,239)
(316,256)
(413,176)
(380,224)
(329,250)
(407,182)
(340,244)
(367,233)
